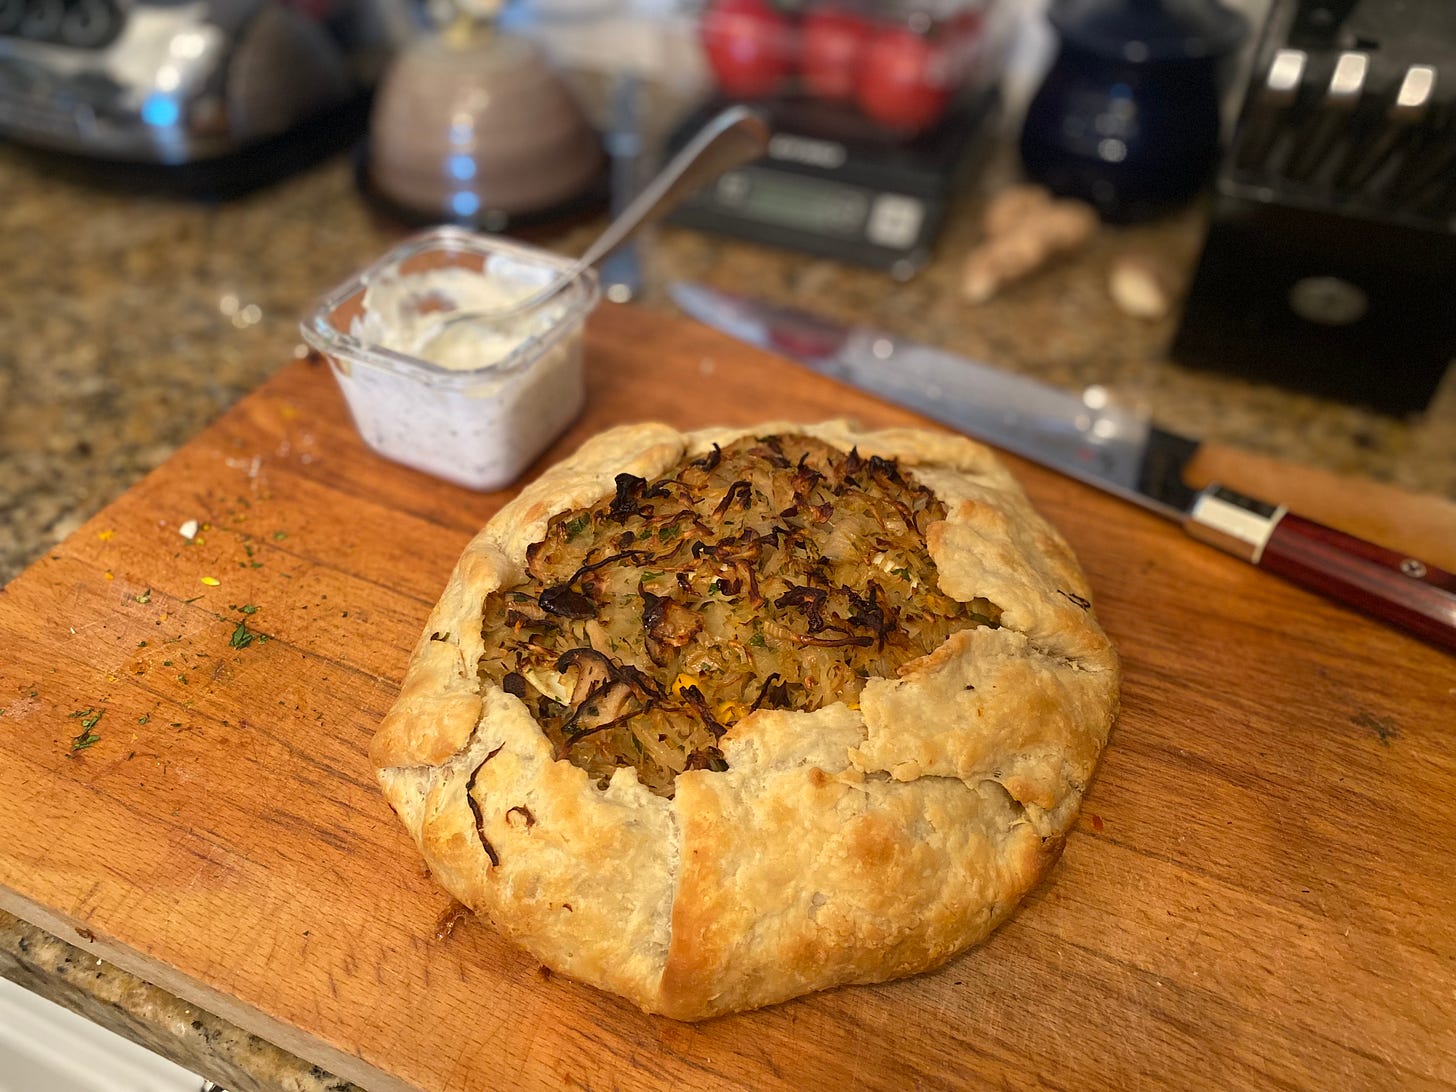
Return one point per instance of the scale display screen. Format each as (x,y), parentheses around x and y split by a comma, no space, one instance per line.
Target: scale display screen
(809,204)
(842,190)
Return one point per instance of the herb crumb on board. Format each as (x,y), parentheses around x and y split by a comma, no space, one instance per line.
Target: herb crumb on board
(89,718)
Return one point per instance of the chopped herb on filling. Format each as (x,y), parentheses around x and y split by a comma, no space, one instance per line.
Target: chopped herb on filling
(776,573)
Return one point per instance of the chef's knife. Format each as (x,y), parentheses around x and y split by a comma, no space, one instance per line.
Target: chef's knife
(1269,109)
(1095,441)
(1367,158)
(1331,118)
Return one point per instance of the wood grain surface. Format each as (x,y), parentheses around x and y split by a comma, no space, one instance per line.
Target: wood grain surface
(1258,893)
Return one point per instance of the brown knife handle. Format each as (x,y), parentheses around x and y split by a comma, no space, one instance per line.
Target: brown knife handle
(1397,589)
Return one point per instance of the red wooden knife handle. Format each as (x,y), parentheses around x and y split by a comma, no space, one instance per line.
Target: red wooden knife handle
(1397,589)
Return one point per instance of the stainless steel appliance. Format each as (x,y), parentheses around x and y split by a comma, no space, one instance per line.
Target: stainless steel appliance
(177,82)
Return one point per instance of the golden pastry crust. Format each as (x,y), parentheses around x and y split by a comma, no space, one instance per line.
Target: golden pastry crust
(841,845)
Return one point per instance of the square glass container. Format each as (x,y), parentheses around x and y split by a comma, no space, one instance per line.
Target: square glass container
(482,427)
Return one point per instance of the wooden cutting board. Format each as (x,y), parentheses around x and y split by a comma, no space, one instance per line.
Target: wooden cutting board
(1259,891)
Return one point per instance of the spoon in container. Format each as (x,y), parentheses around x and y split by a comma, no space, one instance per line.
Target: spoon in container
(734,137)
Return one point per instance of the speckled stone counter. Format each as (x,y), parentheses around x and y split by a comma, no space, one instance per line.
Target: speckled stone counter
(205,1044)
(127,323)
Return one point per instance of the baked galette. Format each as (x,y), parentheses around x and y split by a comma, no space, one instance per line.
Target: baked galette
(719,718)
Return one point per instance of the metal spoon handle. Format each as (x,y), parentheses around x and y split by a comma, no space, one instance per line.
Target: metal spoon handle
(736,136)
(621,270)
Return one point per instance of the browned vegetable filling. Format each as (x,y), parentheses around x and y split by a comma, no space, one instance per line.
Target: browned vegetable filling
(776,573)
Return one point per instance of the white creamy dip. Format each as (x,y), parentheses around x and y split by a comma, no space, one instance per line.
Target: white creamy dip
(407,313)
(504,391)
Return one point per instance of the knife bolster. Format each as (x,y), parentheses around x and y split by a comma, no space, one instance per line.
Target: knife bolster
(1234,523)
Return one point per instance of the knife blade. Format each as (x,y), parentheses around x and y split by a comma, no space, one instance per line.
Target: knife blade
(1092,439)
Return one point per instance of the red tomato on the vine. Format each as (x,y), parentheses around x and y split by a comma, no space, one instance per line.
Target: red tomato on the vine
(748,45)
(905,79)
(833,46)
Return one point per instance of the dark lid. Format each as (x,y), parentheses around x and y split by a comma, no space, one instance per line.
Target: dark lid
(1149,30)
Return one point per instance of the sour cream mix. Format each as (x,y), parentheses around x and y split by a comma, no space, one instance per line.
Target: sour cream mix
(474,402)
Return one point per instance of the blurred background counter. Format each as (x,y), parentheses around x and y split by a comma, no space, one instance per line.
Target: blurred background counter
(130,322)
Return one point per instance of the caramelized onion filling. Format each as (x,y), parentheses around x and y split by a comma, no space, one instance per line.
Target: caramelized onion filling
(776,573)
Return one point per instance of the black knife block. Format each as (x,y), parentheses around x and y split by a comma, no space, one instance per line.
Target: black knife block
(1309,281)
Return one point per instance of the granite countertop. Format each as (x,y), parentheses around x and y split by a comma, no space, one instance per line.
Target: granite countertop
(130,322)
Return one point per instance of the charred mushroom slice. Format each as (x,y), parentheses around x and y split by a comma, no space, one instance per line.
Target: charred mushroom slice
(809,600)
(667,625)
(567,603)
(629,495)
(774,694)
(592,670)
(600,710)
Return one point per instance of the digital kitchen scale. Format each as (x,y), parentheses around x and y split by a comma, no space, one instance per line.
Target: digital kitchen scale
(836,185)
